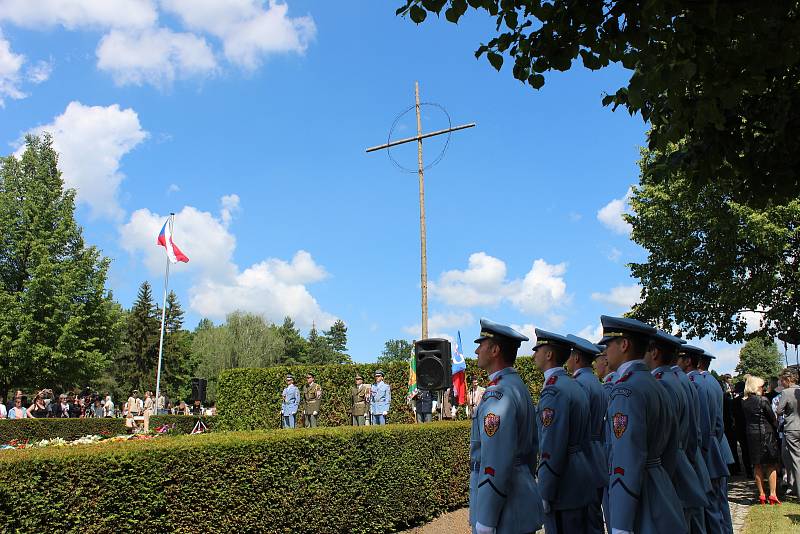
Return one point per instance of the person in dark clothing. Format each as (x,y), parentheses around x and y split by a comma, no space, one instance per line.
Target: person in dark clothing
(762,437)
(740,431)
(424,400)
(730,430)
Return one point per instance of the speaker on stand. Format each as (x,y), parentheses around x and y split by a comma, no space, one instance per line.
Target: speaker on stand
(434,362)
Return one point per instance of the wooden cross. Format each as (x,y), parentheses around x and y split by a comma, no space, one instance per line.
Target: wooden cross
(421,173)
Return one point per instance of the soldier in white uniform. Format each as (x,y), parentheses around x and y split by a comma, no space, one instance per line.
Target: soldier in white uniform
(503,497)
(566,476)
(642,498)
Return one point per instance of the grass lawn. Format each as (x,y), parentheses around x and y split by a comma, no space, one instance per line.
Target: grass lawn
(783,519)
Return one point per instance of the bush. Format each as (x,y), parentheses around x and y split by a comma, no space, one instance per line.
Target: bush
(249,399)
(69,429)
(360,480)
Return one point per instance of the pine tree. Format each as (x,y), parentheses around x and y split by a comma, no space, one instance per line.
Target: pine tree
(138,366)
(337,336)
(318,349)
(58,324)
(294,345)
(178,361)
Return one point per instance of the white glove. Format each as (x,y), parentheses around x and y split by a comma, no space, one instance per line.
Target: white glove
(315,413)
(385,413)
(546,506)
(618,531)
(483,529)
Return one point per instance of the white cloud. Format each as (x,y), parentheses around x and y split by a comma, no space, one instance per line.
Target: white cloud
(230,206)
(40,72)
(154,56)
(621,296)
(442,325)
(611,214)
(529,331)
(752,319)
(248,29)
(592,333)
(173,188)
(75,14)
(274,287)
(91,141)
(484,283)
(10,66)
(542,289)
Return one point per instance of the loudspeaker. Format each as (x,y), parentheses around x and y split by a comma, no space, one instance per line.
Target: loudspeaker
(433,364)
(199,389)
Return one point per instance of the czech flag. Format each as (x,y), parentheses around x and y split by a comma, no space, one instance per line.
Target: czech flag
(459,370)
(165,240)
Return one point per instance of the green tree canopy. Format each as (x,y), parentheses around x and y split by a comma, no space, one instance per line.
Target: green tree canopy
(136,363)
(179,362)
(759,357)
(711,259)
(58,324)
(396,350)
(721,78)
(294,343)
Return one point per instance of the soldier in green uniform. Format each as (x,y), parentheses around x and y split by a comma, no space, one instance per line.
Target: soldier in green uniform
(312,398)
(358,395)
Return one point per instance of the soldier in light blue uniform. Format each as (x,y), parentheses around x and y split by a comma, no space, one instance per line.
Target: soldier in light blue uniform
(718,428)
(380,399)
(660,357)
(291,401)
(503,497)
(641,495)
(566,476)
(608,378)
(580,365)
(688,360)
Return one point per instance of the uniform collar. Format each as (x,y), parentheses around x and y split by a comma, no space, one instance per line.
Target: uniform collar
(581,371)
(661,369)
(610,377)
(502,372)
(676,368)
(627,366)
(553,371)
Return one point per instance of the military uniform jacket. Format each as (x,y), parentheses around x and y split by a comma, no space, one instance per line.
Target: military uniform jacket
(563,441)
(715,393)
(503,447)
(641,495)
(709,445)
(291,400)
(312,397)
(692,446)
(381,398)
(608,384)
(359,396)
(684,477)
(598,404)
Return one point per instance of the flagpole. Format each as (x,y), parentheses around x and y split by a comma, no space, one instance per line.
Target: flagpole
(163,319)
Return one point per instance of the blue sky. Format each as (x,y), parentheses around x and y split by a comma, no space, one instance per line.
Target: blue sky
(249,120)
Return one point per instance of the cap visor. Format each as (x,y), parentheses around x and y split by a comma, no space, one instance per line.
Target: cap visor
(478,340)
(605,340)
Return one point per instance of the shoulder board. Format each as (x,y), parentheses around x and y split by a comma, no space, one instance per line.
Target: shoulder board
(691,377)
(552,380)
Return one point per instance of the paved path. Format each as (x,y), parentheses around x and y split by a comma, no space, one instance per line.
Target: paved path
(741,495)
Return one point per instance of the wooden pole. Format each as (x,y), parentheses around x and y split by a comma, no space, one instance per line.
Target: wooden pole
(423,240)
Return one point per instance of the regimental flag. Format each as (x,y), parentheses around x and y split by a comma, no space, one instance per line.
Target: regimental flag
(165,240)
(459,370)
(412,373)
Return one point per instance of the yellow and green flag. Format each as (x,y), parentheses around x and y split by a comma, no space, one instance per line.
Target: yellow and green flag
(412,374)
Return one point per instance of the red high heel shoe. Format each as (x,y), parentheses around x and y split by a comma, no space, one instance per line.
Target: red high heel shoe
(762,499)
(773,500)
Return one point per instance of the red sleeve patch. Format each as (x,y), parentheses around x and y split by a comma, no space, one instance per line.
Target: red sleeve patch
(489,471)
(619,471)
(551,380)
(659,375)
(625,377)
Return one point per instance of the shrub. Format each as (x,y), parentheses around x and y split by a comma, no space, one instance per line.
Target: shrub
(250,399)
(69,429)
(360,480)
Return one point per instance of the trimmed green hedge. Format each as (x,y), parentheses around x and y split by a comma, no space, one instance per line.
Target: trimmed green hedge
(249,399)
(359,480)
(69,429)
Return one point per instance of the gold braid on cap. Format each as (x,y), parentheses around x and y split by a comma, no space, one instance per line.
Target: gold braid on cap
(486,334)
(614,334)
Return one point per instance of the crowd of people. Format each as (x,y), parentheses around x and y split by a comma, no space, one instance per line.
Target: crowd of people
(87,404)
(628,435)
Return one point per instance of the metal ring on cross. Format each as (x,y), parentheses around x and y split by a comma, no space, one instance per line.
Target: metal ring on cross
(446,143)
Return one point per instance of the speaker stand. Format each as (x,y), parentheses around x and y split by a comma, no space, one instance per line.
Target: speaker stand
(440,398)
(199,427)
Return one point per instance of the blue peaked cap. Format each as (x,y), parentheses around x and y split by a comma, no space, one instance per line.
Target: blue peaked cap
(691,350)
(614,327)
(492,330)
(668,339)
(543,337)
(584,345)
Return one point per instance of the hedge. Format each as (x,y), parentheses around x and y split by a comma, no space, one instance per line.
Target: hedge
(360,480)
(70,429)
(249,399)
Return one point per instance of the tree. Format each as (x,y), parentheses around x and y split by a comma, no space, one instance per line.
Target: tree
(137,362)
(336,337)
(178,360)
(712,261)
(759,357)
(395,350)
(294,344)
(317,349)
(718,77)
(58,324)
